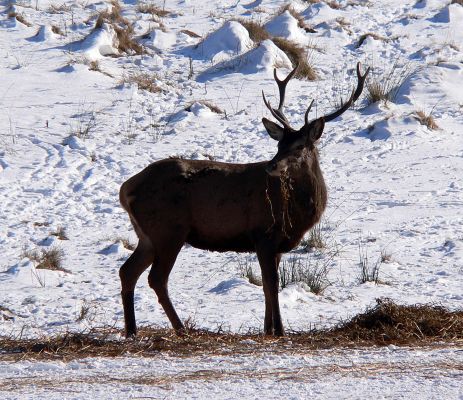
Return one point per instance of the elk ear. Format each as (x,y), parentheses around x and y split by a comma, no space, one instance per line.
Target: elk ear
(316,129)
(275,131)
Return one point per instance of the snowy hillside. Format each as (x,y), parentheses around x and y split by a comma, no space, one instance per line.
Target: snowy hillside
(92,92)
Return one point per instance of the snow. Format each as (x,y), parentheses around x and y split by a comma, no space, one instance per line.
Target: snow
(69,136)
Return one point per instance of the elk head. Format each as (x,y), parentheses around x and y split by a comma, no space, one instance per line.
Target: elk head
(296,145)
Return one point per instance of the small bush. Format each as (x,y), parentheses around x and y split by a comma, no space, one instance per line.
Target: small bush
(384,86)
(298,56)
(256,31)
(50,259)
(315,240)
(372,35)
(426,119)
(246,270)
(293,270)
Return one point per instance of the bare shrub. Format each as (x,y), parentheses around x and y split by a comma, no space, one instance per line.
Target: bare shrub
(426,119)
(298,56)
(256,30)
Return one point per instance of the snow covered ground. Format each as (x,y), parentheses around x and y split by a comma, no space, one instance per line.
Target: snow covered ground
(74,126)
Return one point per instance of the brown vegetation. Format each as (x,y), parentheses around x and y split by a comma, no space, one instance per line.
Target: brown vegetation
(384,324)
(298,56)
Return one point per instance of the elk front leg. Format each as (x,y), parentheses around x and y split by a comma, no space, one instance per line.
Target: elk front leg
(269,261)
(129,273)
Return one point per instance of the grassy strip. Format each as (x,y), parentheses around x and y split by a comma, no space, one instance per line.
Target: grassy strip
(384,324)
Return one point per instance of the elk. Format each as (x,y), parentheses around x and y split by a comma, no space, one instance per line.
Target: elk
(263,207)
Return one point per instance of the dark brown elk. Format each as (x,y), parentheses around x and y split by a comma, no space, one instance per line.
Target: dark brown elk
(263,207)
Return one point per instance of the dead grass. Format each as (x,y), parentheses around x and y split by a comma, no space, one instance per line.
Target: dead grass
(384,324)
(60,233)
(426,119)
(155,11)
(144,81)
(256,30)
(296,15)
(298,56)
(206,103)
(190,33)
(51,259)
(460,2)
(373,35)
(19,18)
(123,28)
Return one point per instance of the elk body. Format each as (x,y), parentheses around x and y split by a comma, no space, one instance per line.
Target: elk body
(263,207)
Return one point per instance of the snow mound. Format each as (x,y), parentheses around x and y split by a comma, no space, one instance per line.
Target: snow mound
(230,39)
(101,42)
(320,12)
(161,40)
(286,26)
(44,34)
(264,57)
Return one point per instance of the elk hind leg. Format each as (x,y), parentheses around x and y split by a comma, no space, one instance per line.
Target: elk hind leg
(129,273)
(158,280)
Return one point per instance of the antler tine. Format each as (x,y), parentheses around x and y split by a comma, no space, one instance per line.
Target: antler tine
(281,119)
(306,116)
(282,85)
(354,96)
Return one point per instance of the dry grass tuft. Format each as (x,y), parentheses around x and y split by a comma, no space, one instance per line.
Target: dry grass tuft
(190,33)
(333,4)
(298,56)
(296,15)
(60,233)
(144,81)
(51,259)
(256,30)
(384,324)
(205,103)
(123,28)
(426,119)
(19,18)
(155,11)
(372,35)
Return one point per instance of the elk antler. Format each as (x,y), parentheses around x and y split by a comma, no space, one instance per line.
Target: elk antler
(278,113)
(354,96)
